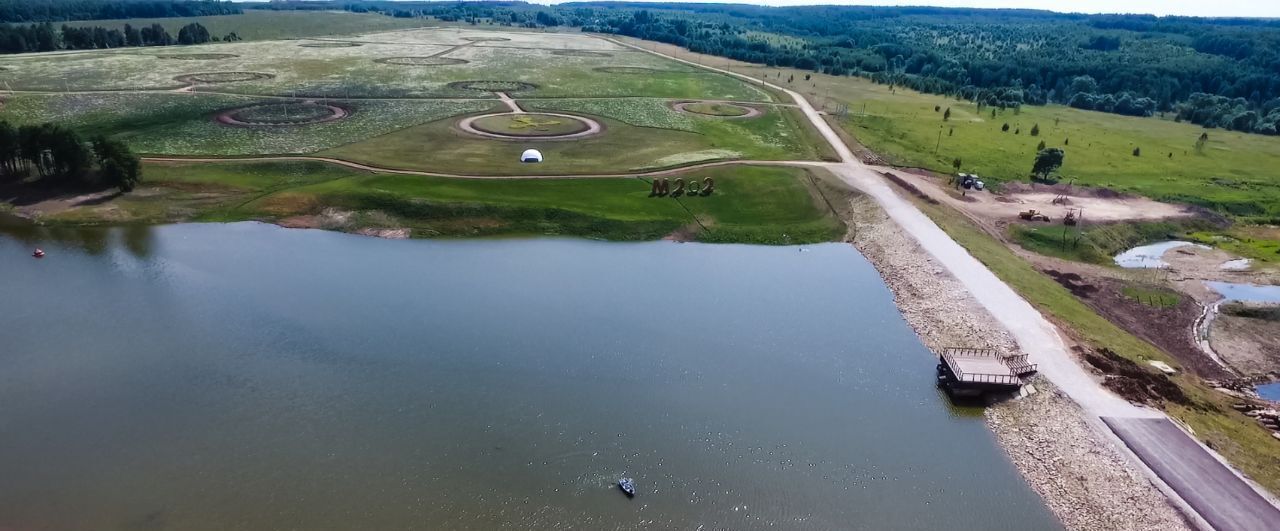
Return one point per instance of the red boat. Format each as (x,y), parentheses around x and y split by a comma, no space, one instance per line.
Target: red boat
(39,253)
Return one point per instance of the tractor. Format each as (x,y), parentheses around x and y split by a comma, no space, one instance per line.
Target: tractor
(1033,215)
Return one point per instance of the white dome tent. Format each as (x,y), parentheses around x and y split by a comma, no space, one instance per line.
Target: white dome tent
(531,155)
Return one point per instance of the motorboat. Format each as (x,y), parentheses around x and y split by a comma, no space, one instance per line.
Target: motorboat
(628,487)
(38,254)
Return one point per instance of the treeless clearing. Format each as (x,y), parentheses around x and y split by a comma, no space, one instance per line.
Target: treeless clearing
(1005,207)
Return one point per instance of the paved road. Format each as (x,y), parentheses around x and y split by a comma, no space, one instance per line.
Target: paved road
(1207,487)
(1227,503)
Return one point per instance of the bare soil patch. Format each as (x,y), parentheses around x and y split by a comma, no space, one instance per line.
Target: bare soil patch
(213,78)
(421,61)
(1169,327)
(1099,205)
(1249,342)
(1135,383)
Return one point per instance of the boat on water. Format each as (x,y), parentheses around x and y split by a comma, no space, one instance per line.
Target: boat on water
(628,487)
(39,253)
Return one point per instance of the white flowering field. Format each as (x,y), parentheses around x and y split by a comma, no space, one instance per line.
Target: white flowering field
(560,65)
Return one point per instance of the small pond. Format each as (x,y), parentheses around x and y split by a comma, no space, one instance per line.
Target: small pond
(1234,291)
(1150,256)
(1269,391)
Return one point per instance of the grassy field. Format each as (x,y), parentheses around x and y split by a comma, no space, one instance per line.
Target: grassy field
(1235,174)
(403,102)
(183,124)
(438,146)
(319,68)
(266,25)
(750,204)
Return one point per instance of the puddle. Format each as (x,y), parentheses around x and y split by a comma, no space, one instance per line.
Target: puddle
(1148,256)
(1269,391)
(1233,291)
(1239,264)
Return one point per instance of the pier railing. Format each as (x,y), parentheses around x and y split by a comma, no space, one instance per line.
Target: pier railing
(949,356)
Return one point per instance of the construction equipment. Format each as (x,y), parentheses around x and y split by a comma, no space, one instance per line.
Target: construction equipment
(1033,215)
(970,182)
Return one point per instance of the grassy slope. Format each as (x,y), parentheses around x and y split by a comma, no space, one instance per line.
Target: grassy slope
(1236,173)
(438,147)
(751,204)
(265,25)
(1238,438)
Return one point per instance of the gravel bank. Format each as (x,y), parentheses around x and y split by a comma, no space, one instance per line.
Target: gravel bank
(1082,478)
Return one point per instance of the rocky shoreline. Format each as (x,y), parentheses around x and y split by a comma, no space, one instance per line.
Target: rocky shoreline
(1082,477)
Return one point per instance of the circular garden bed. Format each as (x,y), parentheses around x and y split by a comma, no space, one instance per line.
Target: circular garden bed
(530,126)
(213,78)
(717,109)
(420,61)
(492,86)
(283,114)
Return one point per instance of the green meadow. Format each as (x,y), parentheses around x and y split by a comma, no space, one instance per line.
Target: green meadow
(750,204)
(1235,174)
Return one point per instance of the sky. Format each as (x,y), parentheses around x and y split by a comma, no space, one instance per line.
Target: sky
(1197,8)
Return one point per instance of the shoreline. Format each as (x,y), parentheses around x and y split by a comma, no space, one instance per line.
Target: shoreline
(1082,478)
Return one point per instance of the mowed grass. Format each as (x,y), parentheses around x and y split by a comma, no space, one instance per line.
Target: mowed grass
(622,148)
(750,204)
(256,24)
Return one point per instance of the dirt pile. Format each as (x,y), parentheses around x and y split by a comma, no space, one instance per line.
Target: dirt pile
(1074,283)
(1134,383)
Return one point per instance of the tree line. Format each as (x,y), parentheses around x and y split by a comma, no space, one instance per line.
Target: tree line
(61,10)
(45,37)
(50,154)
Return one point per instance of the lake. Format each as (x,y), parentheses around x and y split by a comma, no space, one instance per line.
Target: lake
(243,376)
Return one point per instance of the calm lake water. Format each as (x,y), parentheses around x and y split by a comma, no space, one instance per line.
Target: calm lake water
(247,377)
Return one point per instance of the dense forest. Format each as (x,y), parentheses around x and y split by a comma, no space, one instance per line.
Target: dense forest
(46,38)
(61,10)
(59,156)
(1214,72)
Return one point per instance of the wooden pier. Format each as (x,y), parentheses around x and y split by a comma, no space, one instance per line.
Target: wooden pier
(973,372)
